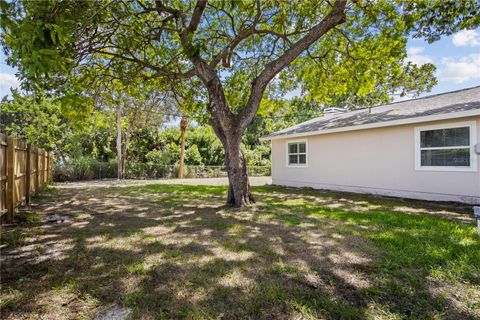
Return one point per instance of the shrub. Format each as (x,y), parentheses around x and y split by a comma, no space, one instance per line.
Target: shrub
(258,155)
(193,156)
(154,156)
(84,168)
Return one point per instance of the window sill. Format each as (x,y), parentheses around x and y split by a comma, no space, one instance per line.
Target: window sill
(447,169)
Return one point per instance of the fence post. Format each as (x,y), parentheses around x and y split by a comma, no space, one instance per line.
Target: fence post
(28,173)
(52,166)
(37,174)
(48,167)
(11,143)
(41,172)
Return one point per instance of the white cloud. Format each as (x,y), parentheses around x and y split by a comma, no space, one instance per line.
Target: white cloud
(460,70)
(414,54)
(397,98)
(415,50)
(7,81)
(466,38)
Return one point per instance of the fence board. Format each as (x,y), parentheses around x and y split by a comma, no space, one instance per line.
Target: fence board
(20,172)
(10,178)
(33,170)
(41,168)
(37,171)
(27,176)
(24,170)
(3,174)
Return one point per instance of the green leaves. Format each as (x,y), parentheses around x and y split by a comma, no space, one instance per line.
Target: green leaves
(430,20)
(44,122)
(70,48)
(363,62)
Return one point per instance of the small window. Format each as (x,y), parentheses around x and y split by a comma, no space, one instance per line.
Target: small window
(297,153)
(445,147)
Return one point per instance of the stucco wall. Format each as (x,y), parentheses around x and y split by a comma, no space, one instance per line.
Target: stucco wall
(380,161)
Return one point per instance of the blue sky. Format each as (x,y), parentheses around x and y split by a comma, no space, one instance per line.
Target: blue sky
(457,58)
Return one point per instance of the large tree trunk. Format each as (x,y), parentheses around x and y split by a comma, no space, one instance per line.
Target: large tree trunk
(119,142)
(239,194)
(183,128)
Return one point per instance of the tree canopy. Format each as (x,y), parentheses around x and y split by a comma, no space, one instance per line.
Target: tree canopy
(239,51)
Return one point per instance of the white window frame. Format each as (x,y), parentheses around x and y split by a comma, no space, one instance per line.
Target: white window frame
(298,165)
(452,125)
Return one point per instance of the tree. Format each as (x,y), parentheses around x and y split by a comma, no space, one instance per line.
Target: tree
(94,140)
(183,129)
(38,121)
(183,96)
(41,121)
(135,106)
(240,51)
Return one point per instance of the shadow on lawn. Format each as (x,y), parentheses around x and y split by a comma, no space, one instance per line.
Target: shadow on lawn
(171,252)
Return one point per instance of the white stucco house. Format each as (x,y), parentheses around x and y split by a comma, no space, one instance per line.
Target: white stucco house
(426,148)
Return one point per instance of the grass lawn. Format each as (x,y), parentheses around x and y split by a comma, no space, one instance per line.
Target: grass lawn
(173,251)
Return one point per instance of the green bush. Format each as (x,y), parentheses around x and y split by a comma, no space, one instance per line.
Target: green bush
(84,168)
(154,156)
(257,155)
(193,156)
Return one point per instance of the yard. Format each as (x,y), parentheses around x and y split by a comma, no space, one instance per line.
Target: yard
(174,251)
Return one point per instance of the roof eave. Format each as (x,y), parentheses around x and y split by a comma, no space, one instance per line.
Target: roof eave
(445,116)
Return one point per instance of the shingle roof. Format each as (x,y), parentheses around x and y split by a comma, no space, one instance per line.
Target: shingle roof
(439,104)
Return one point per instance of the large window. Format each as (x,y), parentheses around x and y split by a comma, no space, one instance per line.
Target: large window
(447,147)
(297,154)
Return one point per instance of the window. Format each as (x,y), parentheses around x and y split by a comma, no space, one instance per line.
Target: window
(297,154)
(447,147)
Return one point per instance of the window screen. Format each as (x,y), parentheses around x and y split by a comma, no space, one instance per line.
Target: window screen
(448,147)
(297,153)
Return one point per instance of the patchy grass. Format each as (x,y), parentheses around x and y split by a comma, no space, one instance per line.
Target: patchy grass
(14,237)
(173,251)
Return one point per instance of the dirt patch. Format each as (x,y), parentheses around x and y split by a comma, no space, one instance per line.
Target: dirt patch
(114,313)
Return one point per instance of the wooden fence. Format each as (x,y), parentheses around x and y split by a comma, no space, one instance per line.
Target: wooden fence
(24,171)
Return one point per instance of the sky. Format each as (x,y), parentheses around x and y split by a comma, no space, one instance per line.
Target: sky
(457,58)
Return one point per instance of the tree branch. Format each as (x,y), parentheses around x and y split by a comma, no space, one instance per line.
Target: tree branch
(172,75)
(197,15)
(179,15)
(159,72)
(334,18)
(244,34)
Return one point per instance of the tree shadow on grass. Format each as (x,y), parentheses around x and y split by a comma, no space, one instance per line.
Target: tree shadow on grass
(172,252)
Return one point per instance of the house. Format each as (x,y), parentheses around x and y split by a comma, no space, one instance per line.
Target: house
(423,148)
